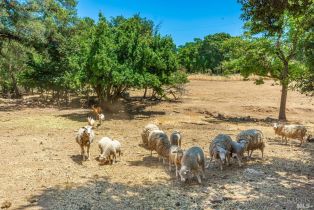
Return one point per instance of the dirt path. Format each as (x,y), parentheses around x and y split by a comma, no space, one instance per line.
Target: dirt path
(40,166)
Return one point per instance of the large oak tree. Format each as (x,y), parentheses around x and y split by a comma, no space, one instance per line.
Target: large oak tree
(282,23)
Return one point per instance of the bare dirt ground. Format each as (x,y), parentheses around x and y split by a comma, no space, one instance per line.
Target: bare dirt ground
(40,165)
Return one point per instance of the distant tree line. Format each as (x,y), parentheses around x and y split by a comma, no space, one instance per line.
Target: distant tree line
(204,55)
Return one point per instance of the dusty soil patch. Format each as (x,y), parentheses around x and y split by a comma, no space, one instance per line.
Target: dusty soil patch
(40,166)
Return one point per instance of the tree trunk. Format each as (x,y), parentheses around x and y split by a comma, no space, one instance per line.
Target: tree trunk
(101,98)
(66,97)
(284,92)
(58,99)
(27,90)
(14,82)
(283,101)
(145,92)
(108,93)
(153,94)
(47,95)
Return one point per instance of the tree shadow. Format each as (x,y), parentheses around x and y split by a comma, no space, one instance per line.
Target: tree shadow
(10,108)
(248,119)
(136,108)
(304,167)
(280,185)
(291,142)
(131,108)
(287,186)
(39,102)
(101,193)
(122,110)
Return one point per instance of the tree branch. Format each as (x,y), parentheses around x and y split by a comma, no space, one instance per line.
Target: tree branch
(9,36)
(294,46)
(279,52)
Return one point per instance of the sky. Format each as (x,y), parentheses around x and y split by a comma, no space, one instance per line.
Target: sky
(184,20)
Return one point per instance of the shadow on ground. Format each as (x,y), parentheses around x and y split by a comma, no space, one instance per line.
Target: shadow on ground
(38,102)
(77,159)
(291,184)
(133,107)
(148,161)
(100,193)
(122,110)
(248,119)
(291,143)
(10,108)
(278,185)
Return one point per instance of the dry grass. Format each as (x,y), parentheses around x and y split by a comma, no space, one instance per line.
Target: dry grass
(206,77)
(40,165)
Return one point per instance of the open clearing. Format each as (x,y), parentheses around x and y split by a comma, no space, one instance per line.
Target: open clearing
(41,167)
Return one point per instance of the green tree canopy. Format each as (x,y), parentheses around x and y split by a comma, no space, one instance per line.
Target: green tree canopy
(130,53)
(280,26)
(204,55)
(43,29)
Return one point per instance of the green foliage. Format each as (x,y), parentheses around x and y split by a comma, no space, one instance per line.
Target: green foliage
(46,46)
(282,23)
(267,16)
(12,63)
(212,50)
(44,29)
(305,54)
(204,55)
(305,83)
(20,22)
(189,56)
(129,53)
(254,56)
(258,56)
(282,26)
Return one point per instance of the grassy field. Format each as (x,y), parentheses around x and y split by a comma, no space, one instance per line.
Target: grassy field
(41,167)
(233,77)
